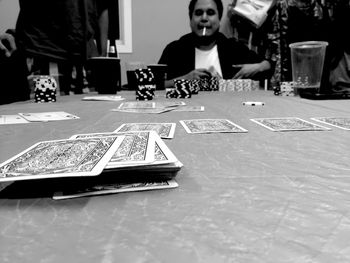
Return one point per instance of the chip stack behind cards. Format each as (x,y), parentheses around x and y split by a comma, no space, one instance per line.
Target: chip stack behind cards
(44,88)
(146,85)
(209,84)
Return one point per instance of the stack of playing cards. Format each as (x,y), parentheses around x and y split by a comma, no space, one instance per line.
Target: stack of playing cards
(87,162)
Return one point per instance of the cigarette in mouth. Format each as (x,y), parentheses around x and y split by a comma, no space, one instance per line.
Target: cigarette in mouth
(204,30)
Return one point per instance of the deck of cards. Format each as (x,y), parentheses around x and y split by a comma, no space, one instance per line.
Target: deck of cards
(98,163)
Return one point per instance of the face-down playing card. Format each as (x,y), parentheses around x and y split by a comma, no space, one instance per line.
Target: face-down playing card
(48,116)
(137,148)
(164,130)
(211,126)
(288,124)
(339,122)
(61,158)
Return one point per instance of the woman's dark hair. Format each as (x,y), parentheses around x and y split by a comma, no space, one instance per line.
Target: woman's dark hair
(193,3)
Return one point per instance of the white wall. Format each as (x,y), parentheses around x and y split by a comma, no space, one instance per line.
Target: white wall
(8,14)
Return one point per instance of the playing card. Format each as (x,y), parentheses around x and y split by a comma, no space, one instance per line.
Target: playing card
(164,130)
(288,124)
(163,154)
(136,105)
(154,110)
(103,98)
(339,122)
(189,108)
(113,188)
(48,116)
(137,148)
(211,126)
(166,104)
(12,119)
(61,158)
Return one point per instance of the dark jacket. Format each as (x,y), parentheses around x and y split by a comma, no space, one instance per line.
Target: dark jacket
(179,55)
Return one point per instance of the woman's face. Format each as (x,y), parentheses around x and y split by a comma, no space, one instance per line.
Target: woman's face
(205,14)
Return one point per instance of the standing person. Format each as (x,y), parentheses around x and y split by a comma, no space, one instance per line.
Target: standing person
(64,33)
(206,52)
(13,71)
(287,21)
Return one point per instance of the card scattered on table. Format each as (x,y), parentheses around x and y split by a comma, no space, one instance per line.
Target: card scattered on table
(339,122)
(61,158)
(152,111)
(288,124)
(211,126)
(164,130)
(48,116)
(12,119)
(103,98)
(189,108)
(137,105)
(148,107)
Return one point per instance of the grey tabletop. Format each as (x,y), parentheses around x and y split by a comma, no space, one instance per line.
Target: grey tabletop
(260,196)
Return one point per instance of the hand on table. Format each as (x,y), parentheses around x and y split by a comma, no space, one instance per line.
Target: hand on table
(250,70)
(197,74)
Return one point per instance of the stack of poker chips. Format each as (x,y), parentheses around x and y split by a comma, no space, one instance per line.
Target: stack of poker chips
(182,89)
(238,85)
(209,84)
(145,84)
(195,86)
(44,89)
(170,93)
(286,88)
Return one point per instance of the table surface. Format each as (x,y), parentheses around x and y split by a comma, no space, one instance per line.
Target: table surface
(260,196)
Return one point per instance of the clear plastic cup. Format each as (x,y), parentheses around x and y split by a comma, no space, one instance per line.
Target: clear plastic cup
(307,64)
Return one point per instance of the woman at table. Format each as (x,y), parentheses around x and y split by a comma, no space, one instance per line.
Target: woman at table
(206,52)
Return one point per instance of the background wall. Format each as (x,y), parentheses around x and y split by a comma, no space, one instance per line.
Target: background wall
(8,14)
(154,24)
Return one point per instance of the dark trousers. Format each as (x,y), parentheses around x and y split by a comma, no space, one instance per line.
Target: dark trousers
(13,78)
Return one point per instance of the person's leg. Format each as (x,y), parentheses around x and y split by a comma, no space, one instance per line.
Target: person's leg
(65,76)
(79,79)
(13,77)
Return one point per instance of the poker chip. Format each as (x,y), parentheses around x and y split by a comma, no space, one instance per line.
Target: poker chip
(195,86)
(183,88)
(287,88)
(44,89)
(145,92)
(144,76)
(146,85)
(209,84)
(170,93)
